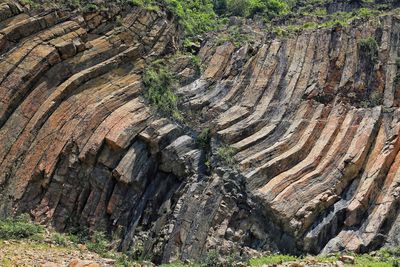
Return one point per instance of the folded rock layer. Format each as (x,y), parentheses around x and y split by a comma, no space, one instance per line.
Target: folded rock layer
(312,119)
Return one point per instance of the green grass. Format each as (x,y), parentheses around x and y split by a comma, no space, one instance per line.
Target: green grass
(272,259)
(22,228)
(385,257)
(19,228)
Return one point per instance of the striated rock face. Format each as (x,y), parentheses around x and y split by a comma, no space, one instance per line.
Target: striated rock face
(313,119)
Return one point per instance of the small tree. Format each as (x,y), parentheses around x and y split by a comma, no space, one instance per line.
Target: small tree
(267,8)
(240,8)
(220,6)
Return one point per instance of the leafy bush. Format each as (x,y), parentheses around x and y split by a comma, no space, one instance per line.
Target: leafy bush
(196,16)
(240,8)
(234,36)
(78,234)
(91,7)
(267,8)
(320,12)
(194,63)
(98,243)
(146,4)
(369,49)
(124,261)
(200,16)
(203,139)
(376,98)
(19,228)
(159,81)
(59,239)
(271,8)
(211,259)
(227,153)
(367,13)
(31,3)
(220,6)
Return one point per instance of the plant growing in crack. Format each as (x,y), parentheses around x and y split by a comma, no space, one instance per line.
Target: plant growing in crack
(226,153)
(159,82)
(369,49)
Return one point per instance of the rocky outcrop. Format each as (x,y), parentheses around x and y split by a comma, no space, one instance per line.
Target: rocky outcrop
(313,122)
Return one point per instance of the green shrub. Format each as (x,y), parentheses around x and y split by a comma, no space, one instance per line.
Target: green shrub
(195,16)
(31,3)
(310,25)
(98,243)
(146,4)
(18,228)
(78,235)
(220,6)
(240,8)
(227,153)
(234,36)
(124,261)
(375,98)
(272,8)
(195,61)
(367,13)
(159,82)
(369,49)
(269,9)
(91,7)
(203,139)
(211,260)
(59,239)
(320,12)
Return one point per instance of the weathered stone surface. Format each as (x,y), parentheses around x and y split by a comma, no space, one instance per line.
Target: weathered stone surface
(314,132)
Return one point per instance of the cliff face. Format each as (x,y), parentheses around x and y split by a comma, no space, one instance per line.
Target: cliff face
(312,118)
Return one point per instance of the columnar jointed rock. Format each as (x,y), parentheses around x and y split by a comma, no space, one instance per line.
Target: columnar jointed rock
(314,125)
(313,122)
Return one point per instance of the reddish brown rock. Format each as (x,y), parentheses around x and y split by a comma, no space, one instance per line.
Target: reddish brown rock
(310,160)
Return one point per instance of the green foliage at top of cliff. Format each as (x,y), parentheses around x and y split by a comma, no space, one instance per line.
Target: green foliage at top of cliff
(247,8)
(200,16)
(197,17)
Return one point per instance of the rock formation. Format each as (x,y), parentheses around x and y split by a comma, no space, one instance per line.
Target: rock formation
(313,120)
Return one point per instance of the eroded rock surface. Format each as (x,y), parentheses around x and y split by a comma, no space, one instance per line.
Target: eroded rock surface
(313,121)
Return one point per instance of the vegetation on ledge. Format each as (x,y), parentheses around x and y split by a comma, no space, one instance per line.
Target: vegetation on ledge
(20,234)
